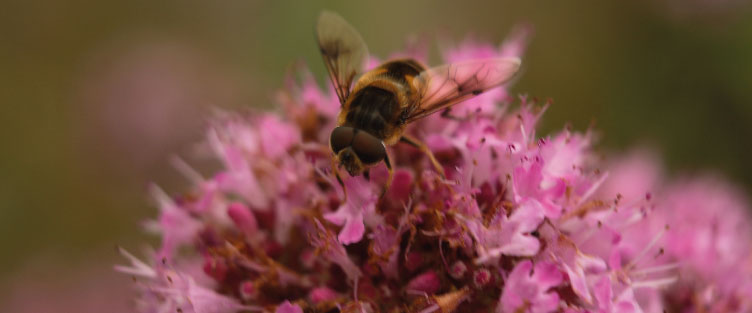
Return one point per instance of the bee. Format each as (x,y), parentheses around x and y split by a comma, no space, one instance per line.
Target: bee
(377,108)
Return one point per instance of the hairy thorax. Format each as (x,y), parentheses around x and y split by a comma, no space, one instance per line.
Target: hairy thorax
(379,99)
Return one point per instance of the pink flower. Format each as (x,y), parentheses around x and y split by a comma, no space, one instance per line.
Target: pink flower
(177,290)
(533,224)
(286,307)
(239,178)
(322,294)
(243,218)
(608,302)
(709,235)
(508,235)
(175,224)
(633,176)
(709,222)
(286,136)
(334,252)
(361,200)
(528,188)
(427,282)
(527,289)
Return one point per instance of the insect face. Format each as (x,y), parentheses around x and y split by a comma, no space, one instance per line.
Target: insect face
(356,149)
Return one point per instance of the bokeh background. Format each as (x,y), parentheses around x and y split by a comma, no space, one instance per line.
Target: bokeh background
(97,95)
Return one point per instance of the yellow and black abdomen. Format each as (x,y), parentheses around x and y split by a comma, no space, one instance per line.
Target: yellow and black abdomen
(379,98)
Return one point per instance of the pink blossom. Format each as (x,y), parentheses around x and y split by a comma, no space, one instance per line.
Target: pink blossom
(527,289)
(709,236)
(531,223)
(286,136)
(508,235)
(286,307)
(633,176)
(243,218)
(175,225)
(385,246)
(709,222)
(178,290)
(608,302)
(361,200)
(427,282)
(334,252)
(322,294)
(529,191)
(239,178)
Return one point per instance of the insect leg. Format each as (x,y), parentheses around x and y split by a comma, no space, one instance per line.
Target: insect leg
(423,148)
(335,170)
(390,176)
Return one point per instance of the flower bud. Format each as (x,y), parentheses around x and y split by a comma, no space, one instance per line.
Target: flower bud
(321,294)
(427,282)
(458,270)
(243,218)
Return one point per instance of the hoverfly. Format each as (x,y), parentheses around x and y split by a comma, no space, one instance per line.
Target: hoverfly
(383,101)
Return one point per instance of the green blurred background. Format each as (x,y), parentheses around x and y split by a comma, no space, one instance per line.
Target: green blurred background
(96,95)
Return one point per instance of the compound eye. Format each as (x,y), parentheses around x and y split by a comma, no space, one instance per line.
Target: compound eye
(341,138)
(368,148)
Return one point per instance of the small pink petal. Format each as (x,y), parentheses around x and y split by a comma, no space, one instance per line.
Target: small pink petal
(243,218)
(427,282)
(286,307)
(321,294)
(353,230)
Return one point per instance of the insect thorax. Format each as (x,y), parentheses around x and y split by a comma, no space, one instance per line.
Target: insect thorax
(379,98)
(372,109)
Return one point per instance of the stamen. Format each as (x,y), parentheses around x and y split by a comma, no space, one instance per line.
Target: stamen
(189,172)
(589,235)
(137,268)
(524,134)
(656,269)
(592,190)
(650,245)
(633,219)
(655,283)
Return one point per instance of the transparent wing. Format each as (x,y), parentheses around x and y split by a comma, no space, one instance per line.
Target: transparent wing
(343,49)
(443,86)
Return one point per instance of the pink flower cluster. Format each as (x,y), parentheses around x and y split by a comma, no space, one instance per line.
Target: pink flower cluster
(521,223)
